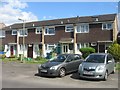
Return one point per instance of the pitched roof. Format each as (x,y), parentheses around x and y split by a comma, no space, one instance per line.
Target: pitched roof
(73,20)
(2,25)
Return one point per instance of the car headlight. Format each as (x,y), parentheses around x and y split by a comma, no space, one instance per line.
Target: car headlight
(100,68)
(53,68)
(80,66)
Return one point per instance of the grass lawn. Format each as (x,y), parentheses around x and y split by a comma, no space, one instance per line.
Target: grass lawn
(39,61)
(29,61)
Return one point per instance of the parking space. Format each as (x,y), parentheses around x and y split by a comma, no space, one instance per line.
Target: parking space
(19,75)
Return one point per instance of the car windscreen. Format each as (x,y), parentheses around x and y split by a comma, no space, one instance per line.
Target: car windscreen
(95,58)
(59,58)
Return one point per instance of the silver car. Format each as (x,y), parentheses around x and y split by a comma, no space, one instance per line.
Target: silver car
(97,66)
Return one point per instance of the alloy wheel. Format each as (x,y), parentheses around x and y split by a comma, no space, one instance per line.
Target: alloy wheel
(62,72)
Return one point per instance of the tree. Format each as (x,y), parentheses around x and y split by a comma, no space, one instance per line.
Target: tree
(114,49)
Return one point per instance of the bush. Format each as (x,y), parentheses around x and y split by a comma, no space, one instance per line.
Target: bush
(3,56)
(114,49)
(87,51)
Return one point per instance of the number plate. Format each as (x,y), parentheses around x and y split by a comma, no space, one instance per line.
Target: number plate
(43,71)
(89,73)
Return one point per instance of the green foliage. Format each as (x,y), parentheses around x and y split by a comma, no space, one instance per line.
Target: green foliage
(118,66)
(114,49)
(2,56)
(86,51)
(1,48)
(39,58)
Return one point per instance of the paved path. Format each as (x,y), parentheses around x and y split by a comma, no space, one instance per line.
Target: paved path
(19,75)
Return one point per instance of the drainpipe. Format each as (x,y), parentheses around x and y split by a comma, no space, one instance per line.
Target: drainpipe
(17,44)
(75,43)
(115,29)
(43,41)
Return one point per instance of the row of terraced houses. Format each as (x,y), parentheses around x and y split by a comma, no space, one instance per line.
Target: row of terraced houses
(68,35)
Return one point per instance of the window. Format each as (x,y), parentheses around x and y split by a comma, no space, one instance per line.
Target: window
(23,32)
(107,26)
(23,47)
(83,28)
(38,30)
(50,46)
(69,28)
(77,57)
(109,57)
(82,45)
(49,31)
(14,32)
(2,34)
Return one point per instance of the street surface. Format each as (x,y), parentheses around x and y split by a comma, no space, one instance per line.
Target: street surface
(19,75)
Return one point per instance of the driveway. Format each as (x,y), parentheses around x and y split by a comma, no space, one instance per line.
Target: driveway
(19,75)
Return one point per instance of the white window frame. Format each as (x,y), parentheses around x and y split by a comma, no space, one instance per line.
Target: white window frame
(68,29)
(21,35)
(106,24)
(83,44)
(2,35)
(14,31)
(48,45)
(48,30)
(80,27)
(38,30)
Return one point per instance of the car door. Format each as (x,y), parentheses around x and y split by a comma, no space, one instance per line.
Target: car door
(76,61)
(110,63)
(69,64)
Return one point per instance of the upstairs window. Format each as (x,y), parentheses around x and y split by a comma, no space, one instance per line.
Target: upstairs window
(107,26)
(38,30)
(83,28)
(2,34)
(50,31)
(23,32)
(69,28)
(14,32)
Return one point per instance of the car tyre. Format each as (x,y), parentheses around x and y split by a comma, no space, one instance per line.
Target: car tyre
(62,72)
(106,76)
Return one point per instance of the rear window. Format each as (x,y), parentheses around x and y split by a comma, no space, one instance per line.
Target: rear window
(96,58)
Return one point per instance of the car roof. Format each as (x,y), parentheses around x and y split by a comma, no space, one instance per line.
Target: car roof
(99,54)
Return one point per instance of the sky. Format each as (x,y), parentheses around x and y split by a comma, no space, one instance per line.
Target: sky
(11,10)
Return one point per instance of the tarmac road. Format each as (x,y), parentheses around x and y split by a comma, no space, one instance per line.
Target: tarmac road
(19,75)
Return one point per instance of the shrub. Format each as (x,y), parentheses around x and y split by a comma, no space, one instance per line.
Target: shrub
(87,51)
(114,49)
(3,56)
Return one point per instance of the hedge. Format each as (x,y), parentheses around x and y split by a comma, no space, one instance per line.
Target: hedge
(114,49)
(86,51)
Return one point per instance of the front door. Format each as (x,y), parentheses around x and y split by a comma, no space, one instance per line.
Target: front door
(12,50)
(102,48)
(65,48)
(30,51)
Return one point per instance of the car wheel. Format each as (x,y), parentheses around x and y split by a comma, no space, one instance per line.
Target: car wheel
(62,72)
(106,76)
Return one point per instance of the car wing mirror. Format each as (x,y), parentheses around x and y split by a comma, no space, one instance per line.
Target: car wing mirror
(109,61)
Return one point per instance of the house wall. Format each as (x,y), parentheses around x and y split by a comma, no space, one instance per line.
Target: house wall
(32,37)
(95,34)
(59,33)
(9,38)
